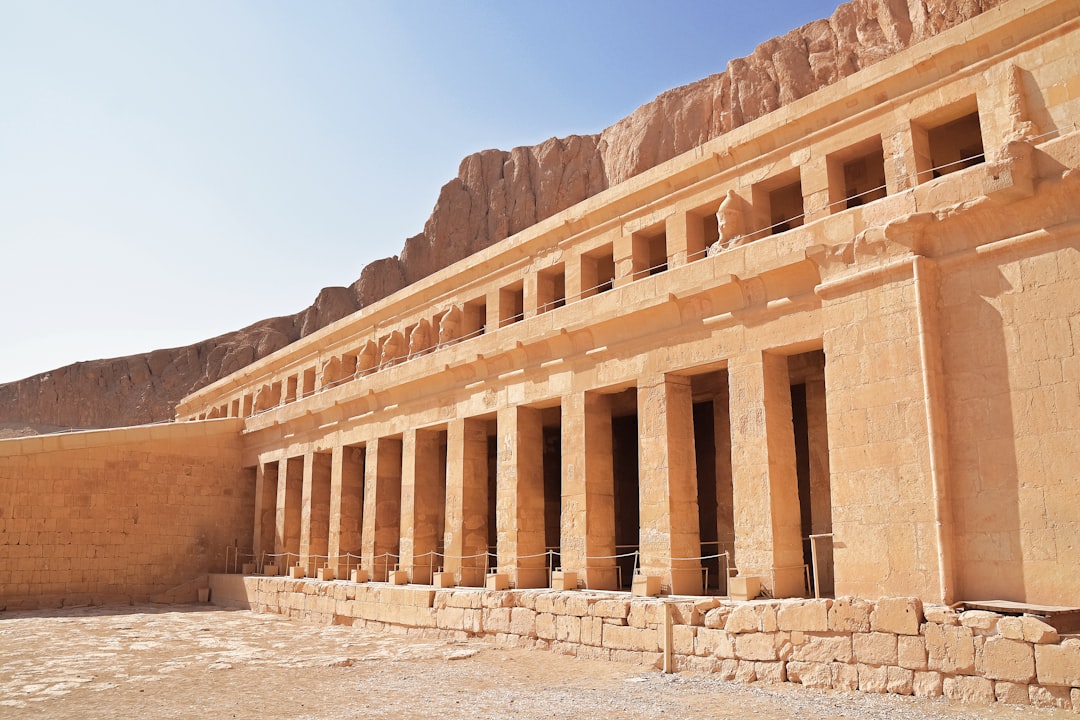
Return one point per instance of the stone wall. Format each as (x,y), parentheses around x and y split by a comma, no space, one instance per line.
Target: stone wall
(893,645)
(120,515)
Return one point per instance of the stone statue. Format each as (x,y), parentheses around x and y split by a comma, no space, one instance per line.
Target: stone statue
(368,357)
(420,338)
(729,222)
(450,325)
(393,347)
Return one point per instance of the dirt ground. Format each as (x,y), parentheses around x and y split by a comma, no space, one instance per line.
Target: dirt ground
(198,661)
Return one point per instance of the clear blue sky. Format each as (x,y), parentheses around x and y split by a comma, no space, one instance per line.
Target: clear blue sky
(173,170)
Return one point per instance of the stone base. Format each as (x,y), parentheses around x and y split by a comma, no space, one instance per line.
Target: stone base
(398,577)
(744,587)
(271,570)
(645,586)
(563,580)
(420,575)
(497,581)
(443,580)
(471,577)
(359,575)
(247,569)
(297,572)
(325,573)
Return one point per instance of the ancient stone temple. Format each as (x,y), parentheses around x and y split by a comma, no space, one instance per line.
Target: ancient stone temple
(834,352)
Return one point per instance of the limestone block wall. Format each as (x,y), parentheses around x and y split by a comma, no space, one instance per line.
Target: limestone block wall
(119,515)
(892,645)
(1011,337)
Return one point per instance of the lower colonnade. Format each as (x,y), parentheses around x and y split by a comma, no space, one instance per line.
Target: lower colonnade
(662,480)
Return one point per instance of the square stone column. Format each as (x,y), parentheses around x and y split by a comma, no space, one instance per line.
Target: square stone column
(668,484)
(768,526)
(907,151)
(685,238)
(315,516)
(382,507)
(725,510)
(587,541)
(520,497)
(346,507)
(422,492)
(289,513)
(817,181)
(466,528)
(266,490)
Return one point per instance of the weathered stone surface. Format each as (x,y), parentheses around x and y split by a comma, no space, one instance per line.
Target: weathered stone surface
(809,616)
(911,653)
(927,684)
(744,619)
(981,622)
(951,649)
(1026,628)
(1049,697)
(835,648)
(873,679)
(1002,659)
(968,689)
(900,616)
(849,615)
(1058,664)
(755,646)
(810,674)
(495,194)
(718,643)
(1011,693)
(874,648)
(901,681)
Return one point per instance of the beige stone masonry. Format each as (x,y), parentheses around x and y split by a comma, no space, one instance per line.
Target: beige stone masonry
(763,641)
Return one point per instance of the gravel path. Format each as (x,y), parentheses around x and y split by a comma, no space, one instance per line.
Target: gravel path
(188,662)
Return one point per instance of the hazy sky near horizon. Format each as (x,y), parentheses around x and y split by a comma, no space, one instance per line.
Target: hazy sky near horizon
(170,171)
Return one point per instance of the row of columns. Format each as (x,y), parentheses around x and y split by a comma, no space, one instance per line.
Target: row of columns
(403,499)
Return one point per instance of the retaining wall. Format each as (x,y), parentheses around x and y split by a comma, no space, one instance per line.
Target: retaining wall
(893,645)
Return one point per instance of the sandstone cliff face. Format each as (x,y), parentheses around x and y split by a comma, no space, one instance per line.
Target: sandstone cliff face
(496,194)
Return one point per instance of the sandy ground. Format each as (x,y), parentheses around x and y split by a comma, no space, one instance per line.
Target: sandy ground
(198,661)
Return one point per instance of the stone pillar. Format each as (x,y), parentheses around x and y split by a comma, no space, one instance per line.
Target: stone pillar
(816,179)
(725,510)
(685,238)
(628,257)
(668,484)
(315,516)
(520,499)
(820,485)
(346,507)
(266,490)
(422,491)
(382,506)
(588,490)
(768,531)
(289,501)
(466,526)
(573,277)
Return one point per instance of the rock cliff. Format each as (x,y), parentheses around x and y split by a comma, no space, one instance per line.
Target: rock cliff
(496,194)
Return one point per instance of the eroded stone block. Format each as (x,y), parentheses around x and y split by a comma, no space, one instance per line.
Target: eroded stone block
(968,689)
(900,616)
(950,649)
(849,615)
(1058,664)
(1003,659)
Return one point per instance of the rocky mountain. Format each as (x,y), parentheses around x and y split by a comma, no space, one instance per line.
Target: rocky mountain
(497,193)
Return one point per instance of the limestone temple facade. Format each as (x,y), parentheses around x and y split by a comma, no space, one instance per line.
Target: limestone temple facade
(832,353)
